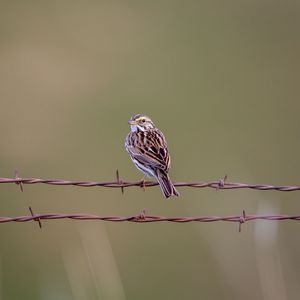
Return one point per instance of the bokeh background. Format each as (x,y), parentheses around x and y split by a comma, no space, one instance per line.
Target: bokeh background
(221,79)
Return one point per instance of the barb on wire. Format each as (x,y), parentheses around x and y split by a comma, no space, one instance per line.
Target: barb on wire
(119,181)
(144,218)
(37,219)
(242,220)
(222,184)
(18,180)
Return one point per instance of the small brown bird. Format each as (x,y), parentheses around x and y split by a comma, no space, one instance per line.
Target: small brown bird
(148,150)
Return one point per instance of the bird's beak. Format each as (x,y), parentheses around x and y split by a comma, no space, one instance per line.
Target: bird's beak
(132,122)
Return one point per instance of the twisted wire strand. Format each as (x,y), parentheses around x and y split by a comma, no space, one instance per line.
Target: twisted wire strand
(143,218)
(219,184)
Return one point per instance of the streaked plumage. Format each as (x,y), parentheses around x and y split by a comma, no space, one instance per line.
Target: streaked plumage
(148,150)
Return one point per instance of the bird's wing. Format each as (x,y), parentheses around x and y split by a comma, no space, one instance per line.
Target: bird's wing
(150,150)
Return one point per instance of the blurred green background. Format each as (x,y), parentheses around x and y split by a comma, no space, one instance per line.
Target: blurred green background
(221,79)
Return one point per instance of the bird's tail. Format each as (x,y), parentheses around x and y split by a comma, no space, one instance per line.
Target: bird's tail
(166,184)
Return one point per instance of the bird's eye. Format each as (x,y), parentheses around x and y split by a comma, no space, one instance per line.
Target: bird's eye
(143,120)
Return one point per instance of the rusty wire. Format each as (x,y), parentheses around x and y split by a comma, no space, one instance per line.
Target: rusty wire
(221,184)
(144,218)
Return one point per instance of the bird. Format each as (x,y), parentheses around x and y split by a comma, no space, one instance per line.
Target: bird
(148,150)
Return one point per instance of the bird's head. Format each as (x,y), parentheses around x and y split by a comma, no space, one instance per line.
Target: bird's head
(140,122)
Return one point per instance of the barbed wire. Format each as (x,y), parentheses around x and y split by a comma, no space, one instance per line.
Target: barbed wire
(221,184)
(144,218)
